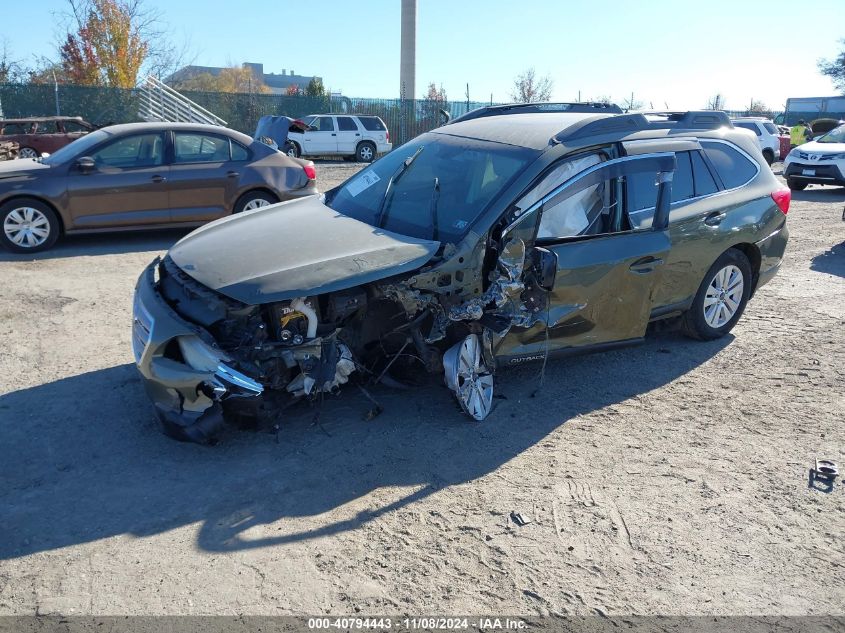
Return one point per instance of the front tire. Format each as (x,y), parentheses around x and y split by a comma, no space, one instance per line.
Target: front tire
(796,185)
(721,297)
(292,150)
(27,152)
(254,200)
(29,226)
(769,155)
(365,153)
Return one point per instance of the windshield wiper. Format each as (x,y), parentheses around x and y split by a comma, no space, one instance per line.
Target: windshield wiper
(435,198)
(381,218)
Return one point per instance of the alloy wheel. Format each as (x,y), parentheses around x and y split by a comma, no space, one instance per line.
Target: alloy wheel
(26,227)
(468,376)
(256,203)
(724,296)
(366,153)
(27,152)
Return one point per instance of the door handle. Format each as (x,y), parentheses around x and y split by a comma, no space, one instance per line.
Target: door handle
(333,134)
(715,218)
(158,178)
(645,265)
(232,174)
(357,134)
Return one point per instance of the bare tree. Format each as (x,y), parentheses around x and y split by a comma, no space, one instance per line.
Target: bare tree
(758,107)
(11,70)
(716,102)
(528,88)
(631,104)
(835,69)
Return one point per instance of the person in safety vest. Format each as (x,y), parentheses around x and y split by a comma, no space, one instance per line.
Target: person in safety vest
(800,134)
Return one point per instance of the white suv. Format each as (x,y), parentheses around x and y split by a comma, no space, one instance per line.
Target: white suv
(357,136)
(821,162)
(767,135)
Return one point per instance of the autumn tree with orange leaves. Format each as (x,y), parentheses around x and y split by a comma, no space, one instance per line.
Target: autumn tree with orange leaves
(110,41)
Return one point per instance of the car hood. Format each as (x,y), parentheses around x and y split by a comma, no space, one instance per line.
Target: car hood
(294,249)
(20,167)
(821,148)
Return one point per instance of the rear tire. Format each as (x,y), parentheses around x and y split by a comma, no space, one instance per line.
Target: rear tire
(721,297)
(29,226)
(365,152)
(795,185)
(254,200)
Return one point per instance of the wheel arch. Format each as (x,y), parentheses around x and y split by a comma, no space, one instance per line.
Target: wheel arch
(754,258)
(42,200)
(258,189)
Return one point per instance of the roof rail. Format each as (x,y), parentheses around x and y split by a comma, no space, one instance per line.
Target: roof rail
(635,122)
(525,108)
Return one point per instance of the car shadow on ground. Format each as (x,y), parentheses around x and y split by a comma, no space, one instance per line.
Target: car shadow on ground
(95,244)
(820,193)
(82,458)
(831,262)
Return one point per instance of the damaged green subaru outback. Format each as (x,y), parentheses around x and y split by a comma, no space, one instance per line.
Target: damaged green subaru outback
(509,235)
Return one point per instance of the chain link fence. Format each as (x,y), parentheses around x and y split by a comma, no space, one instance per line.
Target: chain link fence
(241,111)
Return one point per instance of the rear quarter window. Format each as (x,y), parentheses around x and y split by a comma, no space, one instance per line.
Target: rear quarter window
(731,165)
(371,123)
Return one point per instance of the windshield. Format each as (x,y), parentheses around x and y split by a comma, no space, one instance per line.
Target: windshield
(836,135)
(79,147)
(451,183)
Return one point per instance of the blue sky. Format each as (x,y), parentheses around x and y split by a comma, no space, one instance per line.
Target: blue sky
(670,54)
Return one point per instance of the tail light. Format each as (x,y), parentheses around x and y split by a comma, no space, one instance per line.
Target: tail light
(782,198)
(312,174)
(387,136)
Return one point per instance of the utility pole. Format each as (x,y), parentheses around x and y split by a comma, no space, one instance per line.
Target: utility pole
(467,97)
(56,92)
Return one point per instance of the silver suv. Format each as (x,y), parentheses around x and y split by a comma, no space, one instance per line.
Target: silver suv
(360,137)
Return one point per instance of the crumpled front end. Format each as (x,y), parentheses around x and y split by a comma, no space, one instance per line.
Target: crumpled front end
(205,358)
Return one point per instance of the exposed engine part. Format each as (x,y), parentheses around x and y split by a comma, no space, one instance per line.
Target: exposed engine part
(324,373)
(301,306)
(467,374)
(342,305)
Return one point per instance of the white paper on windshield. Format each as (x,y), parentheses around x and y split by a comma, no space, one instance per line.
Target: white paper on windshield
(363,181)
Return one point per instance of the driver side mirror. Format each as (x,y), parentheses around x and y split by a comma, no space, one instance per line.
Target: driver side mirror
(544,264)
(85,164)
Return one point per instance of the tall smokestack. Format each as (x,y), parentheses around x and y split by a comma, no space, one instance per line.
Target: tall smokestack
(408,60)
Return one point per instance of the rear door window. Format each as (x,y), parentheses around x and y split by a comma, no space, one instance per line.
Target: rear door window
(642,187)
(748,126)
(732,166)
(346,124)
(371,123)
(200,148)
(704,182)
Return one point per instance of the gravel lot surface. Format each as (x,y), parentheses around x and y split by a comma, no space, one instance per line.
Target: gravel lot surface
(670,478)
